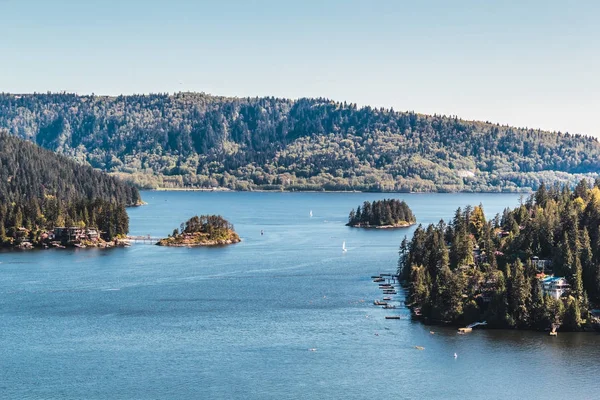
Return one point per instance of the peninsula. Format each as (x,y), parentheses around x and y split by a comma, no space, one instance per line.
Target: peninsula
(48,200)
(534,267)
(204,230)
(387,213)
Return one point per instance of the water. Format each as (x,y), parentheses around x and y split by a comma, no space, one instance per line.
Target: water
(238,321)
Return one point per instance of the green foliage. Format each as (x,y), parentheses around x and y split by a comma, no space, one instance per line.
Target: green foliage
(203,230)
(387,212)
(198,140)
(493,272)
(40,190)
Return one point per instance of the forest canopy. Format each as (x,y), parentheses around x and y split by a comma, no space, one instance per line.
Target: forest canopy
(199,140)
(475,269)
(204,230)
(40,190)
(382,213)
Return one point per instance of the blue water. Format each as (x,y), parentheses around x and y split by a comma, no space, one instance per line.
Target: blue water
(237,322)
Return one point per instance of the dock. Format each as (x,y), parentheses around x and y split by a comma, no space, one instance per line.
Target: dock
(143,239)
(388,284)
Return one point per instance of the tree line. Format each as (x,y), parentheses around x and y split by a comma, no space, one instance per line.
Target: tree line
(472,269)
(40,190)
(199,140)
(387,212)
(206,224)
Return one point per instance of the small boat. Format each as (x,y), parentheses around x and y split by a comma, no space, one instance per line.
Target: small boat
(419,347)
(262,232)
(387,298)
(379,303)
(455,355)
(310,213)
(378,279)
(432,332)
(344,247)
(312,349)
(392,317)
(387,306)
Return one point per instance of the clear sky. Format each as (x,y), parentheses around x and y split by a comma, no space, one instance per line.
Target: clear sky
(523,63)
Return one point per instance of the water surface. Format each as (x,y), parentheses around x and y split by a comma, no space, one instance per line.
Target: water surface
(238,322)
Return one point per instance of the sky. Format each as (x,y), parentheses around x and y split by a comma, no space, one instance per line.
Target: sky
(523,63)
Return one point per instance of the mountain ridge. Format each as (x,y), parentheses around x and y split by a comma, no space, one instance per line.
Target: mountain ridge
(200,140)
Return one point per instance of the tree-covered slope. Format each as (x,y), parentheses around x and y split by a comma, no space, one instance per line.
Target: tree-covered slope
(40,190)
(477,270)
(243,143)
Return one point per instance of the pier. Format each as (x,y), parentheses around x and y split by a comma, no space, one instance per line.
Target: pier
(143,239)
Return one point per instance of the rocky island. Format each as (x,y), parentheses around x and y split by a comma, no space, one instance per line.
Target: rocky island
(204,230)
(387,213)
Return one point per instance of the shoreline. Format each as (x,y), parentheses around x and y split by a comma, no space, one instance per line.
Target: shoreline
(399,226)
(320,191)
(46,246)
(211,243)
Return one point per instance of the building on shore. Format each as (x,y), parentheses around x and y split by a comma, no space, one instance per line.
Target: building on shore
(554,286)
(75,234)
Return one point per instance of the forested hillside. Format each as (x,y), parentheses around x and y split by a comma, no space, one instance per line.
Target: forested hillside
(477,270)
(40,190)
(194,139)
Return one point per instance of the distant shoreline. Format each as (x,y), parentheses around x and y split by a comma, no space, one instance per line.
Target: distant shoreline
(316,191)
(397,226)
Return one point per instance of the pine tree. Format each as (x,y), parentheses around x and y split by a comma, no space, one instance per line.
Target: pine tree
(519,295)
(572,314)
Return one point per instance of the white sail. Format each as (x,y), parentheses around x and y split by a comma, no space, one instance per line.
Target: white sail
(310,213)
(344,246)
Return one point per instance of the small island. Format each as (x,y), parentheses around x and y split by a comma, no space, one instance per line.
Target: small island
(387,213)
(204,230)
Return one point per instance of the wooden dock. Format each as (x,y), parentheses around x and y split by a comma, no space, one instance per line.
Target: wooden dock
(143,239)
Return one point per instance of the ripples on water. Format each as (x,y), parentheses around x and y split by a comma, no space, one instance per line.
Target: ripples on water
(241,321)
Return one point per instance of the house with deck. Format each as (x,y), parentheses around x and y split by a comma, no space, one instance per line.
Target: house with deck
(554,286)
(75,234)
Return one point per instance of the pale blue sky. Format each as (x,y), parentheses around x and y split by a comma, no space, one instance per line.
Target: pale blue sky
(524,63)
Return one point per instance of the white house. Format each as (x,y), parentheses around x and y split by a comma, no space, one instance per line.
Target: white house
(554,286)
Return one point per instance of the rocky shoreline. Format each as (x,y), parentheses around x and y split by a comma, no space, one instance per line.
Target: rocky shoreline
(396,226)
(56,245)
(208,243)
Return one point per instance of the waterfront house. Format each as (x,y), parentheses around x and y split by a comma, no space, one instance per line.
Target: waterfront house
(92,234)
(554,286)
(75,234)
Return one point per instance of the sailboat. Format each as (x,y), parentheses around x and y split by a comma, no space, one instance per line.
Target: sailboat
(344,249)
(310,213)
